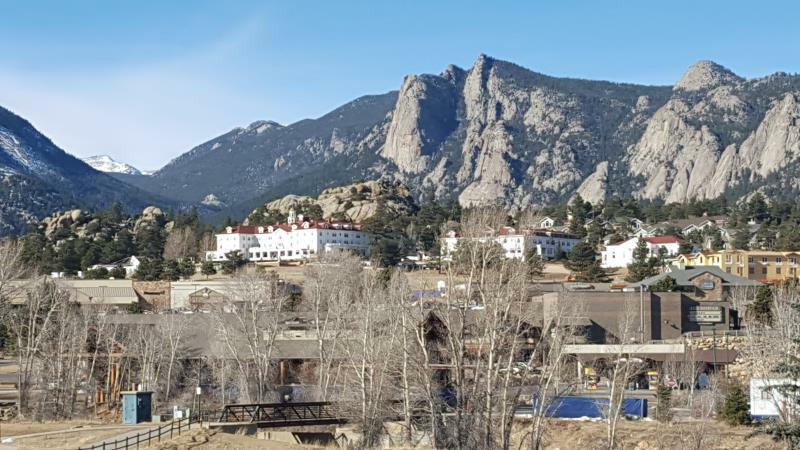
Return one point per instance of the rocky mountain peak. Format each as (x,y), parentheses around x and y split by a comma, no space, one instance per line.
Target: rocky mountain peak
(260,126)
(704,75)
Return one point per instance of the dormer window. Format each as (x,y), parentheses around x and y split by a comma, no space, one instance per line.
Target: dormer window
(270,229)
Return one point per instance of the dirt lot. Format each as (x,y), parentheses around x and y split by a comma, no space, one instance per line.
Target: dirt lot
(643,435)
(60,435)
(650,435)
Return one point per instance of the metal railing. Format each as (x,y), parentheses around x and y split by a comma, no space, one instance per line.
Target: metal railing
(281,414)
(174,428)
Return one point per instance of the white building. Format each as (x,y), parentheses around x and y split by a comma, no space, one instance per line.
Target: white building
(621,255)
(766,402)
(130,264)
(300,240)
(517,243)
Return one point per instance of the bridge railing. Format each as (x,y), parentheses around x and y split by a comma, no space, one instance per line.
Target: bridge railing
(280,414)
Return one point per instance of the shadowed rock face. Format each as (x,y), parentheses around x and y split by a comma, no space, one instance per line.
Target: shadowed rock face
(498,133)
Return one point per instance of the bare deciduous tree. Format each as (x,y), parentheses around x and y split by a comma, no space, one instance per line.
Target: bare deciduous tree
(180,244)
(248,323)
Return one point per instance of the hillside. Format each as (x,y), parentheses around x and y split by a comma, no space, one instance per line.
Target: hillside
(37,178)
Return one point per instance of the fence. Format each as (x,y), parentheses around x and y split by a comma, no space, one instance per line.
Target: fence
(174,428)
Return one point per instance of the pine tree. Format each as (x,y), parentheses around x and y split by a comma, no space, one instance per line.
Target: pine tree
(208,269)
(233,261)
(149,269)
(664,403)
(735,409)
(578,210)
(644,265)
(534,264)
(761,308)
(582,261)
(741,236)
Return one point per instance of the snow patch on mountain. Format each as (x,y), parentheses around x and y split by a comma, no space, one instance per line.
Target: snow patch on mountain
(105,163)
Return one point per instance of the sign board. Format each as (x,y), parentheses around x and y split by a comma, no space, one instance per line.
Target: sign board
(705,314)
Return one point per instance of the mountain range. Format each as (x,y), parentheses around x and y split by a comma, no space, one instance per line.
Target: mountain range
(37,178)
(498,133)
(105,163)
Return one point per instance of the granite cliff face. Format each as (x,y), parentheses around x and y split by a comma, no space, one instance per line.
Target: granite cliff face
(497,133)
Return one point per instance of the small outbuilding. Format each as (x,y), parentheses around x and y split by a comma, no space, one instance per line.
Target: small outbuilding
(137,407)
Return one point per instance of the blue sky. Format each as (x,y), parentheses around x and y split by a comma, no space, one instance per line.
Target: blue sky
(146,81)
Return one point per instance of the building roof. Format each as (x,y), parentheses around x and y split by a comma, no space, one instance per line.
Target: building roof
(684,277)
(663,240)
(305,224)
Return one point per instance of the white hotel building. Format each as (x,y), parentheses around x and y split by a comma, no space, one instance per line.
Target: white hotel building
(296,241)
(516,243)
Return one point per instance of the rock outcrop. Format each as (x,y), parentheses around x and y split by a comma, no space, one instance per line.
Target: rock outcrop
(356,202)
(499,134)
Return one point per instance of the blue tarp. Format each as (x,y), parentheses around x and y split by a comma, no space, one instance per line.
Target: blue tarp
(577,407)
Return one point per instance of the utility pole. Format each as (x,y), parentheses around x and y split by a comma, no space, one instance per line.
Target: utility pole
(714,345)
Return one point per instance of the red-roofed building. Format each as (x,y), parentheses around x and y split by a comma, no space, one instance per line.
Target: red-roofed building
(299,239)
(621,255)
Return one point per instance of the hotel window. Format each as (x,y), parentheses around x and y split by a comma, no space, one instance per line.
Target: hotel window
(793,260)
(750,259)
(763,259)
(763,271)
(778,260)
(778,270)
(751,271)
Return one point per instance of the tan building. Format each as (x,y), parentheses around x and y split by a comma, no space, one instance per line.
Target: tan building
(761,265)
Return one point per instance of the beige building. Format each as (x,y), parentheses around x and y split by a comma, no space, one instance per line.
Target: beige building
(761,265)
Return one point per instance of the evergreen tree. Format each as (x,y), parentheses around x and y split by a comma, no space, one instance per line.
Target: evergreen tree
(149,269)
(387,252)
(208,269)
(233,261)
(664,403)
(666,284)
(150,242)
(118,273)
(171,270)
(761,308)
(534,264)
(68,259)
(579,210)
(757,208)
(187,268)
(582,261)
(644,265)
(735,409)
(741,236)
(101,273)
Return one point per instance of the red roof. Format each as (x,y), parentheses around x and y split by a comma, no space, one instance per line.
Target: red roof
(244,229)
(663,240)
(320,224)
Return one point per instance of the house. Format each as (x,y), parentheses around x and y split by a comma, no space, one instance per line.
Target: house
(762,265)
(516,243)
(703,282)
(296,240)
(546,222)
(621,255)
(767,402)
(130,264)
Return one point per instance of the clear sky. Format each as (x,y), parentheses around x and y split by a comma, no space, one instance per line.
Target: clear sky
(146,81)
